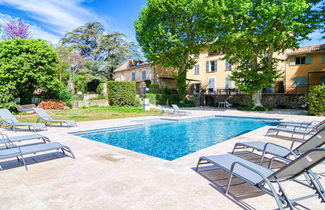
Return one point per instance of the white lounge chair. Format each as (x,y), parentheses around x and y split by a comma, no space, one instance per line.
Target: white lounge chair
(43,116)
(180,112)
(165,110)
(262,178)
(10,120)
(19,151)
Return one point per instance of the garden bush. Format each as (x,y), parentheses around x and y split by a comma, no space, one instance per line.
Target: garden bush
(121,93)
(11,106)
(57,90)
(100,89)
(316,100)
(154,88)
(80,82)
(26,65)
(162,99)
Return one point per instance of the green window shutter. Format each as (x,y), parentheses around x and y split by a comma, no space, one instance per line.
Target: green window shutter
(207,66)
(292,60)
(323,57)
(300,81)
(309,59)
(216,65)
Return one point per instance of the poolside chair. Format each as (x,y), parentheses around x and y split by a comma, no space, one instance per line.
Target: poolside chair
(301,124)
(19,151)
(178,111)
(297,130)
(259,176)
(165,110)
(317,140)
(5,139)
(10,120)
(43,116)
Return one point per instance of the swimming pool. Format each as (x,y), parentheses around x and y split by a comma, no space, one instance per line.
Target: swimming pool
(171,139)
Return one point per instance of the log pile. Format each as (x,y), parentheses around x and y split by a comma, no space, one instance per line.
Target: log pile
(52,104)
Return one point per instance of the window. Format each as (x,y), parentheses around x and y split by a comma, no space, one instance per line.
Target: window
(133,76)
(197,56)
(323,57)
(228,83)
(211,84)
(144,75)
(300,81)
(197,69)
(299,60)
(196,87)
(211,66)
(322,80)
(122,77)
(228,66)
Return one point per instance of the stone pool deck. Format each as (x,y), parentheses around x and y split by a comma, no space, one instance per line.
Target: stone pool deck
(108,177)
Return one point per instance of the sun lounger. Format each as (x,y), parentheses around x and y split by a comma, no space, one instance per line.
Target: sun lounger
(43,116)
(296,130)
(20,151)
(164,110)
(317,140)
(4,139)
(301,124)
(10,120)
(259,176)
(178,111)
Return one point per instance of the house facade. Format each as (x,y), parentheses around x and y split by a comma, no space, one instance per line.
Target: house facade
(212,73)
(305,67)
(139,71)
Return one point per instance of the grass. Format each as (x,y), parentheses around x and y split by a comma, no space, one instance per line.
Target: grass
(93,113)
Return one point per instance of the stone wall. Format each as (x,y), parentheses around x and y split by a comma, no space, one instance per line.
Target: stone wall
(274,100)
(103,102)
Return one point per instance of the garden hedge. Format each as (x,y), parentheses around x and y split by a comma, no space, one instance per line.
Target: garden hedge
(162,99)
(121,93)
(316,100)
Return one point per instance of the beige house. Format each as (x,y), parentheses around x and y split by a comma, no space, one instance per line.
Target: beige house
(139,71)
(305,67)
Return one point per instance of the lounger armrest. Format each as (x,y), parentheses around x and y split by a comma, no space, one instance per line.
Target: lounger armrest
(280,158)
(46,118)
(276,145)
(8,121)
(247,167)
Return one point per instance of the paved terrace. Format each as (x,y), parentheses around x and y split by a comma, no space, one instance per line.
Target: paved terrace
(108,177)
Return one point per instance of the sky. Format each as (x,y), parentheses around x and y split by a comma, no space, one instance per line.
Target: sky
(51,19)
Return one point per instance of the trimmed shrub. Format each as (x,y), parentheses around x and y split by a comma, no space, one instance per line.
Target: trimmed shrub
(154,88)
(121,93)
(100,89)
(316,100)
(162,99)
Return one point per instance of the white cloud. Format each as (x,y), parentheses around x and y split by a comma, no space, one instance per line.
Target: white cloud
(59,16)
(36,31)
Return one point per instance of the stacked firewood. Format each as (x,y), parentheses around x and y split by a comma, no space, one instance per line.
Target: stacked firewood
(52,104)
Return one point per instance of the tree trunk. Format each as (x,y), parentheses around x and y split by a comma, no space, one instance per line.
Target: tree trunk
(257,97)
(70,83)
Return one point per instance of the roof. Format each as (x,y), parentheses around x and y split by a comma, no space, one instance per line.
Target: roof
(307,49)
(131,64)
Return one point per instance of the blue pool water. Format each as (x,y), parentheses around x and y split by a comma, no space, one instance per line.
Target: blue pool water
(173,139)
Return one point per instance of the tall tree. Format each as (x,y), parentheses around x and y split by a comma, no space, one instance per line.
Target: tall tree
(17,28)
(249,32)
(169,32)
(104,51)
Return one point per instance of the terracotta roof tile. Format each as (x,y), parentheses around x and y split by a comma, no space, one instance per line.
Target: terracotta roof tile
(307,49)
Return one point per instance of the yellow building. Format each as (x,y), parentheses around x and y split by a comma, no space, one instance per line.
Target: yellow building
(139,71)
(305,67)
(212,73)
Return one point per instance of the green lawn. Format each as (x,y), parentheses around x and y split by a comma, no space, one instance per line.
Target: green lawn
(92,113)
